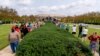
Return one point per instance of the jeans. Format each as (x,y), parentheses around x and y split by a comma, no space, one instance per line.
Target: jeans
(13,46)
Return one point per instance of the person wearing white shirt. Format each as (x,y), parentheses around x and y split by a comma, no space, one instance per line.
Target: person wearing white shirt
(74,29)
(84,33)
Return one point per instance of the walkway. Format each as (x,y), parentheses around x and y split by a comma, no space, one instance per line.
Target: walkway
(6,52)
(96,54)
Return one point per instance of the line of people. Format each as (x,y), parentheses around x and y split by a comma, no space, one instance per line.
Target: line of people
(83,30)
(18,32)
(83,33)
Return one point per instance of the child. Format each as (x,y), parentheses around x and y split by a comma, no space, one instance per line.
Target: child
(74,29)
(17,29)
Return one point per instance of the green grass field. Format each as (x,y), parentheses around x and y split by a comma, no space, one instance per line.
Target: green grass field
(4,31)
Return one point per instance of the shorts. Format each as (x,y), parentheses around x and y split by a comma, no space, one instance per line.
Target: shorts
(84,35)
(73,32)
(93,45)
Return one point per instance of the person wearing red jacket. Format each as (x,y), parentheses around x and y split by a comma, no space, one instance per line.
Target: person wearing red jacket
(17,29)
(93,41)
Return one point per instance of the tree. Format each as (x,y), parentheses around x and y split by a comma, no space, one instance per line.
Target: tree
(8,15)
(90,18)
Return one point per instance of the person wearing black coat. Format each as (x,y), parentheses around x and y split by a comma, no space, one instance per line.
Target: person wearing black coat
(24,30)
(80,30)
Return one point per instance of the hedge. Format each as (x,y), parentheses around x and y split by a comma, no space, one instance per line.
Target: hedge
(51,41)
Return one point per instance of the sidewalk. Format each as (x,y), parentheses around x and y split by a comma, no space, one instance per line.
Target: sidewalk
(6,52)
(96,54)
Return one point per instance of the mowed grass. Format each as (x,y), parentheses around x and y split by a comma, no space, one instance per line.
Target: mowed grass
(4,31)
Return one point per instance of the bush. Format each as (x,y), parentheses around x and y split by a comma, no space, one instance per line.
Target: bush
(51,41)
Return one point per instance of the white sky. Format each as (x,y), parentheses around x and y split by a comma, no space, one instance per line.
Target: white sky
(63,7)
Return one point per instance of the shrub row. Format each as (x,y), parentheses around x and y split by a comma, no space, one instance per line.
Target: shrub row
(51,41)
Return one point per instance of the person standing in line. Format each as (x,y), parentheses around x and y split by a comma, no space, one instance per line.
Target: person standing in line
(24,30)
(17,29)
(62,26)
(67,27)
(84,33)
(74,29)
(13,38)
(80,30)
(29,27)
(21,27)
(93,42)
(35,25)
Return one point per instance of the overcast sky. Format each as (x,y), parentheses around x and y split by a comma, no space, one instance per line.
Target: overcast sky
(63,7)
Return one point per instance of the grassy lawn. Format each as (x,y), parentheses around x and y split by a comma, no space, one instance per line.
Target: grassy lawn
(4,30)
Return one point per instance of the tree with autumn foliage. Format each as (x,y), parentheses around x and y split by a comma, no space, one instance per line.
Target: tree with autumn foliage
(89,18)
(8,15)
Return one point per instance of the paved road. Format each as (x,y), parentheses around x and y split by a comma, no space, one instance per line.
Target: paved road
(95,26)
